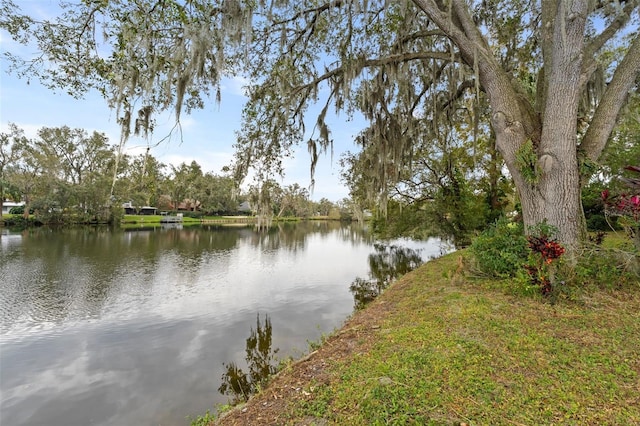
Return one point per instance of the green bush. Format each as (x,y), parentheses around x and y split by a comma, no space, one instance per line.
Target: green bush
(603,268)
(19,210)
(16,210)
(193,215)
(20,222)
(501,250)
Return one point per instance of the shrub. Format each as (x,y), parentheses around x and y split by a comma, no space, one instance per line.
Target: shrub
(193,214)
(19,210)
(603,268)
(20,222)
(626,206)
(501,250)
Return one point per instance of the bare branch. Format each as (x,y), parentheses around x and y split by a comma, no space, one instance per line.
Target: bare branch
(315,10)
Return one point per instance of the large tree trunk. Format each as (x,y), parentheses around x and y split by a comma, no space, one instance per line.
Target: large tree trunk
(550,191)
(556,201)
(553,194)
(555,198)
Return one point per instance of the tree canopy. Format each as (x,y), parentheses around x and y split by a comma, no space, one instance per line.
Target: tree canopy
(553,73)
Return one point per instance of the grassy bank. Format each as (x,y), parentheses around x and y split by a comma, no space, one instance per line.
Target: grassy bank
(133,218)
(129,218)
(441,348)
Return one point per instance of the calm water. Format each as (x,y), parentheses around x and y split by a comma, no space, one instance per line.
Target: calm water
(124,327)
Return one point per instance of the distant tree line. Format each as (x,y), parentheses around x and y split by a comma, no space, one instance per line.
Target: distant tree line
(69,175)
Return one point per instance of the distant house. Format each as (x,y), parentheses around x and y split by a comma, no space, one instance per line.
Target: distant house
(8,205)
(148,210)
(244,207)
(189,204)
(129,208)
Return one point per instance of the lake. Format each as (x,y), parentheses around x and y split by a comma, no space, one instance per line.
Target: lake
(135,326)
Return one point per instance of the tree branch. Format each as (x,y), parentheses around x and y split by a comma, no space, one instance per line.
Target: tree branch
(589,64)
(418,35)
(368,63)
(596,44)
(426,87)
(462,88)
(316,10)
(469,26)
(443,21)
(604,118)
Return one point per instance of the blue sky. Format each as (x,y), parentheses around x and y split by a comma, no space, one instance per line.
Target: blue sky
(207,137)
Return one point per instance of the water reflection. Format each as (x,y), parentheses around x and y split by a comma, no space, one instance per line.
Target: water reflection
(387,263)
(261,362)
(113,327)
(54,275)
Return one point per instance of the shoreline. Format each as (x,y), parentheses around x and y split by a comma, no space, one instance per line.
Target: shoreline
(440,347)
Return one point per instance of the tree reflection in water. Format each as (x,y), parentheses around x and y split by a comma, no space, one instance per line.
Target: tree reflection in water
(385,265)
(260,361)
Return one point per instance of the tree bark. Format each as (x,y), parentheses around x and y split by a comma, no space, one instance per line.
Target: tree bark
(558,200)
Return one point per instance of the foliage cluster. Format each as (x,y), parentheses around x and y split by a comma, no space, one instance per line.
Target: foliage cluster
(454,207)
(450,185)
(527,162)
(533,265)
(623,147)
(601,267)
(19,210)
(20,222)
(594,208)
(544,251)
(501,250)
(202,420)
(407,220)
(626,206)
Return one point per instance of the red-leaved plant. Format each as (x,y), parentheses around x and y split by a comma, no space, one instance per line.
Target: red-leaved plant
(545,250)
(626,206)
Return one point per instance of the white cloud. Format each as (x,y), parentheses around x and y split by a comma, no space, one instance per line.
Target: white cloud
(30,130)
(73,375)
(209,161)
(235,85)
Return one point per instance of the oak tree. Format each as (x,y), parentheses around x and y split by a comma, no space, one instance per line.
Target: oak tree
(554,95)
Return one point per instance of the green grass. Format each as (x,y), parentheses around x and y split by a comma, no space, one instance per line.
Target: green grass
(617,240)
(457,351)
(132,218)
(204,420)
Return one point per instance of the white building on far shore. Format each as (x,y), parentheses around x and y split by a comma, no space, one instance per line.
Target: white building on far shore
(8,205)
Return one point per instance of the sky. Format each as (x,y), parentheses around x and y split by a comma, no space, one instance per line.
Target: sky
(207,135)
